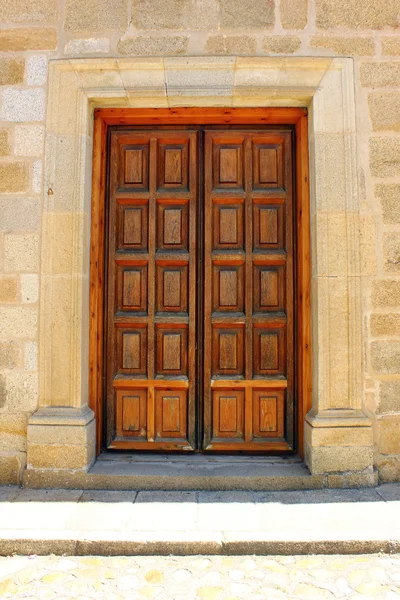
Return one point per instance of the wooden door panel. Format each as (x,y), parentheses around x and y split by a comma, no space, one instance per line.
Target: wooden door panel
(151,304)
(248,320)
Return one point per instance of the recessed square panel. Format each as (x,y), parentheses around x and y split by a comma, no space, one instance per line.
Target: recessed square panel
(269,288)
(172,288)
(267,165)
(268,226)
(131,408)
(228,164)
(228,288)
(269,351)
(268,413)
(132,288)
(134,174)
(228,414)
(228,226)
(171,413)
(172,352)
(173,165)
(132,231)
(228,351)
(172,227)
(131,350)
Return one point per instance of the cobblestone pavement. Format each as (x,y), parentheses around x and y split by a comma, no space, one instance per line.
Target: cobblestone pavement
(363,577)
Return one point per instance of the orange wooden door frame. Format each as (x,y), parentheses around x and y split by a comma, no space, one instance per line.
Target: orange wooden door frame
(103,119)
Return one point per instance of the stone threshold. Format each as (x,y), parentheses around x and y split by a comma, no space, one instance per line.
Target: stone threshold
(127,471)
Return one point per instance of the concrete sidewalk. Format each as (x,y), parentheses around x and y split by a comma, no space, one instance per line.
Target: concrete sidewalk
(76,522)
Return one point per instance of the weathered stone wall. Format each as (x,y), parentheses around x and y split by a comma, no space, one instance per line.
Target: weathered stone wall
(34,31)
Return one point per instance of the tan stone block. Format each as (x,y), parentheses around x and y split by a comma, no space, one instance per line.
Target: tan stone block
(231,44)
(384,110)
(21,252)
(15,423)
(385,357)
(348,46)
(388,435)
(281,44)
(14,177)
(385,156)
(368,254)
(294,13)
(19,214)
(391,251)
(18,321)
(153,46)
(59,456)
(10,356)
(389,197)
(389,469)
(26,10)
(96,15)
(21,39)
(385,325)
(386,293)
(175,14)
(366,478)
(28,140)
(70,435)
(10,442)
(29,288)
(354,14)
(11,468)
(339,436)
(380,74)
(8,289)
(247,14)
(337,458)
(21,391)
(389,398)
(67,227)
(391,45)
(5,147)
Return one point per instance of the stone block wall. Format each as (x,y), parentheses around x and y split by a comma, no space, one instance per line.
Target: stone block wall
(32,32)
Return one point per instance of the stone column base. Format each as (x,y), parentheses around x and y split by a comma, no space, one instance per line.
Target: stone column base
(61,439)
(339,444)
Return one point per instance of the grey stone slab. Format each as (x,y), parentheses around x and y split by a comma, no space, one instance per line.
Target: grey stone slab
(166,497)
(389,491)
(88,516)
(164,511)
(30,495)
(37,515)
(108,496)
(228,511)
(8,493)
(318,496)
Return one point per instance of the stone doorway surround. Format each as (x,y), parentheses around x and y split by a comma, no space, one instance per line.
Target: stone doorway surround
(338,436)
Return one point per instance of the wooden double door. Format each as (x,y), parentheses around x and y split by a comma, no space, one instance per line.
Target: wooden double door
(200,302)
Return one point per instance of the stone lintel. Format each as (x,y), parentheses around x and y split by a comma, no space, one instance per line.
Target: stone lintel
(338,418)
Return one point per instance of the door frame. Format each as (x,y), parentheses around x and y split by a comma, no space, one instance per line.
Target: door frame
(106,117)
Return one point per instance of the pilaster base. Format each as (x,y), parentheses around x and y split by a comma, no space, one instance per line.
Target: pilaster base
(61,439)
(339,443)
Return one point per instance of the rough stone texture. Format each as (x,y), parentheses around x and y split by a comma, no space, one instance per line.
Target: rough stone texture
(18,40)
(26,10)
(389,197)
(28,140)
(14,177)
(18,322)
(389,399)
(391,45)
(354,14)
(231,44)
(385,156)
(247,14)
(380,74)
(150,46)
(30,356)
(9,356)
(391,251)
(8,289)
(281,44)
(384,109)
(388,435)
(386,293)
(345,46)
(29,288)
(26,217)
(36,70)
(21,252)
(11,468)
(87,46)
(175,14)
(5,147)
(294,13)
(23,105)
(96,15)
(21,391)
(11,71)
(60,456)
(385,325)
(385,357)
